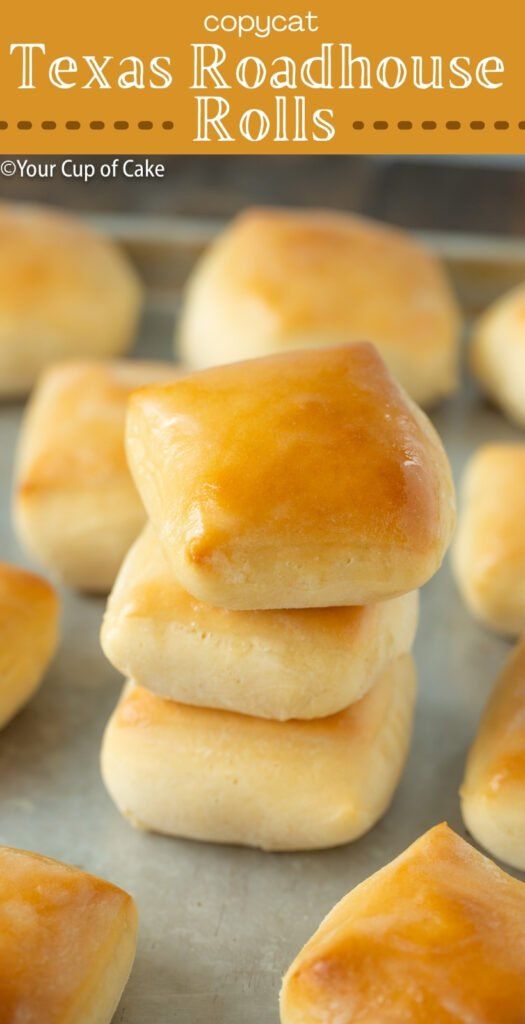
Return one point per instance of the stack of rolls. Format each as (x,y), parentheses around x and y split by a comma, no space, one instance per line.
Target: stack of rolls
(265,616)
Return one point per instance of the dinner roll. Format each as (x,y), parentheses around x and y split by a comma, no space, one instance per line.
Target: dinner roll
(75,506)
(489,550)
(65,291)
(281,279)
(29,615)
(497,353)
(275,664)
(493,790)
(435,937)
(229,778)
(67,942)
(301,480)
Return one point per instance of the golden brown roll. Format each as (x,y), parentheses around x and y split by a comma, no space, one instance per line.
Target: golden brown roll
(228,778)
(435,937)
(67,942)
(493,790)
(281,279)
(489,549)
(302,480)
(29,613)
(497,353)
(275,664)
(65,291)
(76,509)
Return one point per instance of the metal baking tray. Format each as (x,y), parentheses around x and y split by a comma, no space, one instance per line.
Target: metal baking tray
(219,925)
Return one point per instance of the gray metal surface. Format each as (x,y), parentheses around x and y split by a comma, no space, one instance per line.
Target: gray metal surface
(219,925)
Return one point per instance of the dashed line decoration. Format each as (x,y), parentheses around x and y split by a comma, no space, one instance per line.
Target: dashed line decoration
(74,126)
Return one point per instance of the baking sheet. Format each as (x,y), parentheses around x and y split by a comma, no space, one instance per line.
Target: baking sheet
(219,925)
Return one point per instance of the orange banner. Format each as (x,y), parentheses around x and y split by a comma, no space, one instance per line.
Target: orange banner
(231,77)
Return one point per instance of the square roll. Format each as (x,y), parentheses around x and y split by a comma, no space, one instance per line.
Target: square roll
(489,549)
(76,508)
(280,279)
(67,942)
(436,937)
(29,613)
(223,777)
(66,291)
(493,790)
(497,353)
(302,480)
(274,664)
